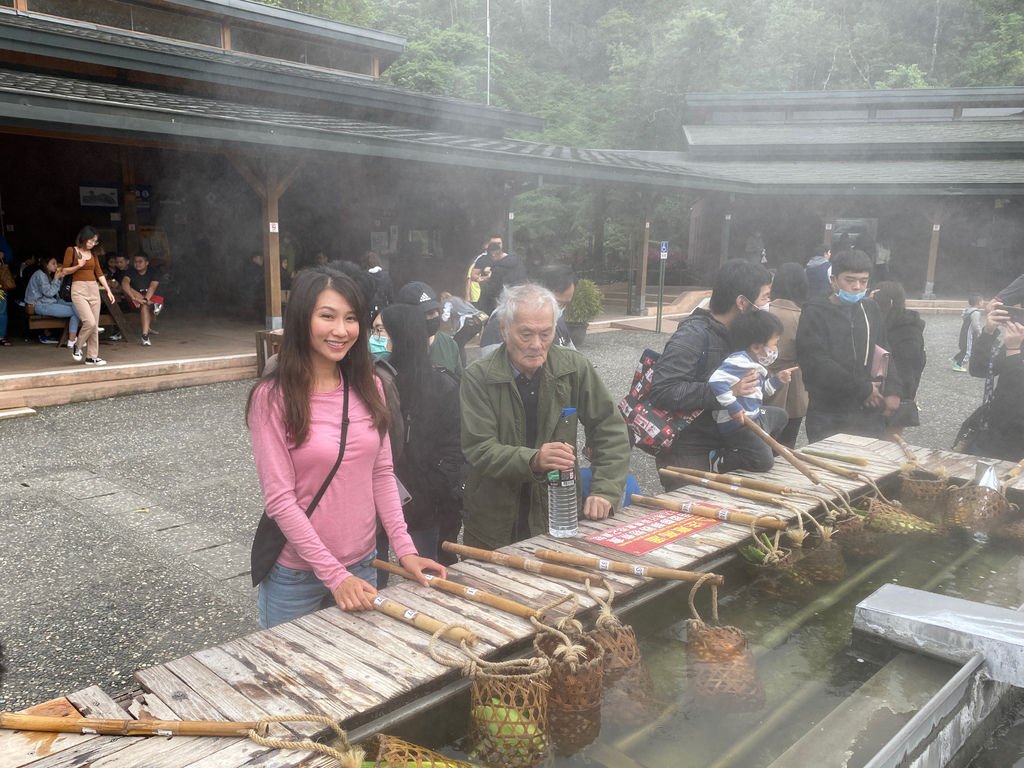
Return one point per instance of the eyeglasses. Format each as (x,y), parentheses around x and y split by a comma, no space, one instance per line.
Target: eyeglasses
(378,331)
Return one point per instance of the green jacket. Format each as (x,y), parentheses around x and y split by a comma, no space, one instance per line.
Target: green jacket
(494,428)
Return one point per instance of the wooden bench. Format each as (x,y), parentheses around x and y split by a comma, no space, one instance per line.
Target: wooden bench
(45,323)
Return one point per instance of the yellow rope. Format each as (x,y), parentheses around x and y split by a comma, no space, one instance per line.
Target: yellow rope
(348,756)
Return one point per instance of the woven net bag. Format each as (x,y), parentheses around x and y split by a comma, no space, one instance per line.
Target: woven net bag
(571,731)
(778,579)
(720,665)
(508,719)
(392,752)
(976,508)
(617,640)
(823,563)
(858,541)
(889,518)
(577,668)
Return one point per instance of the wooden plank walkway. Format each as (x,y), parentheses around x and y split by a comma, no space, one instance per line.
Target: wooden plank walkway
(358,664)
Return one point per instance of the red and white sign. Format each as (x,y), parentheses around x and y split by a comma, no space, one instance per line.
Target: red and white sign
(650,531)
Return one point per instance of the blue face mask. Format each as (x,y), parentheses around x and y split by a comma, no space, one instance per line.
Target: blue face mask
(379,347)
(848,297)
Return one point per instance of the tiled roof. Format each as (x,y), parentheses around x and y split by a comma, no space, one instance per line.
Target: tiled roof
(49,101)
(992,132)
(77,41)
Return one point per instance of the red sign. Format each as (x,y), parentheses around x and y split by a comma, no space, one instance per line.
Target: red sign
(650,532)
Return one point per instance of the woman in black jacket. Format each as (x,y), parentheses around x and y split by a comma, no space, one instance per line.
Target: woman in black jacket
(431,463)
(905,331)
(996,354)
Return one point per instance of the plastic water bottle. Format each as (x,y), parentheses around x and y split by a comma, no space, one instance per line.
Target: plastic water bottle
(563,517)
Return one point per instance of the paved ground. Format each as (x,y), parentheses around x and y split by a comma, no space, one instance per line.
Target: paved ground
(125,524)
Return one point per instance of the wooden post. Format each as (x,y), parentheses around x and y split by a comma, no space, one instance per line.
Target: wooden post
(270,182)
(933,253)
(129,210)
(645,247)
(693,246)
(830,222)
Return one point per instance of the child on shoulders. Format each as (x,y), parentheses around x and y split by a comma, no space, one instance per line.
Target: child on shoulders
(755,337)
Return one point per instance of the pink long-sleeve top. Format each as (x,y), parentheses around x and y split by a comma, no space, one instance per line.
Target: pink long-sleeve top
(342,528)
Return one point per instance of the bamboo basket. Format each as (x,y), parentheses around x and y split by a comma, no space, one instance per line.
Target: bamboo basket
(1012,531)
(890,518)
(508,720)
(577,669)
(720,665)
(617,640)
(779,579)
(629,698)
(392,752)
(918,484)
(976,509)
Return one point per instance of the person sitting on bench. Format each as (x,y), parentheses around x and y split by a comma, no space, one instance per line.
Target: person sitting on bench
(41,297)
(139,285)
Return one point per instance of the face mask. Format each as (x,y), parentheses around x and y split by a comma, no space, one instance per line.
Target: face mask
(762,307)
(379,347)
(433,326)
(850,298)
(769,357)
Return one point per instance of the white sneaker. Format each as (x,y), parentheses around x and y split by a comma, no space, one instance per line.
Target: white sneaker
(146,342)
(76,353)
(95,361)
(71,344)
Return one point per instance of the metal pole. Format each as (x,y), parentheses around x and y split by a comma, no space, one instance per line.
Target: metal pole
(661,290)
(488,53)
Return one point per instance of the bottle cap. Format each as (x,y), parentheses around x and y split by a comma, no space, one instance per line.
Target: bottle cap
(568,412)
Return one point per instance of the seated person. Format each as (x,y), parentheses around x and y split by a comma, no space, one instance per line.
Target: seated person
(139,285)
(41,297)
(756,337)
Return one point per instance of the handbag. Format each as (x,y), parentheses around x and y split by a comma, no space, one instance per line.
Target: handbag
(7,282)
(269,539)
(651,429)
(976,424)
(64,292)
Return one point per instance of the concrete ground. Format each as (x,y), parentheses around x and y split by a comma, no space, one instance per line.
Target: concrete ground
(125,524)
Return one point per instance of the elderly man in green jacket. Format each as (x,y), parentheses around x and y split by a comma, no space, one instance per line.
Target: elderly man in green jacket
(511,404)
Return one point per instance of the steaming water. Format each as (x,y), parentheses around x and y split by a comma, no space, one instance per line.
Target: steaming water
(814,670)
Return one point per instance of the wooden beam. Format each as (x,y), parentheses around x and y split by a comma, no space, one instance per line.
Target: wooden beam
(129,210)
(937,215)
(726,229)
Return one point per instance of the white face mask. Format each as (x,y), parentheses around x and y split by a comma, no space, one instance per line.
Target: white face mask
(769,357)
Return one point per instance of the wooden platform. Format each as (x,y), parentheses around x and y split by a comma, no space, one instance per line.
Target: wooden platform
(186,352)
(353,666)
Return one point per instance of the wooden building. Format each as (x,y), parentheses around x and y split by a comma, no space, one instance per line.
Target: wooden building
(937,175)
(207,131)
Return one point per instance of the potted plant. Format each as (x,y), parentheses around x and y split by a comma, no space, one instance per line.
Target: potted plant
(585,306)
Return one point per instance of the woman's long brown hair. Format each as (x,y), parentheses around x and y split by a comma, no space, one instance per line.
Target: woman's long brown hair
(293,375)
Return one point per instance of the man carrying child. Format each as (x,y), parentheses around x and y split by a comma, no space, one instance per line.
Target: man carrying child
(756,337)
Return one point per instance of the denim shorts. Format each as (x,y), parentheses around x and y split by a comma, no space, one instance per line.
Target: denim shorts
(286,594)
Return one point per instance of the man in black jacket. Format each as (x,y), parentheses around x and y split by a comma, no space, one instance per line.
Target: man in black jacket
(696,349)
(837,344)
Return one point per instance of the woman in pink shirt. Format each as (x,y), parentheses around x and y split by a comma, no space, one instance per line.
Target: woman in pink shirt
(295,420)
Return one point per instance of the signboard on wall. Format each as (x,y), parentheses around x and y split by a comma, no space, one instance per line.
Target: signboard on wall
(98,196)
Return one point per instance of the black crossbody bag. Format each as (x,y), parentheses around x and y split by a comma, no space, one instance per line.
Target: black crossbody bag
(269,540)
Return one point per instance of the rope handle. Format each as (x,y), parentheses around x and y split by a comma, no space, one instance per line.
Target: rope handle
(714,598)
(605,618)
(568,651)
(475,663)
(347,755)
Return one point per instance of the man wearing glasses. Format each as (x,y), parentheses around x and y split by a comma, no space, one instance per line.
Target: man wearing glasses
(842,348)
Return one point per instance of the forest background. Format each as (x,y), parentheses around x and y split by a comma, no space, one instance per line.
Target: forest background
(613,74)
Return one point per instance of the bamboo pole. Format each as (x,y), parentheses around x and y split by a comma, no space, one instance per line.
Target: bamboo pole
(744,482)
(111,727)
(522,563)
(828,466)
(859,461)
(732,489)
(421,621)
(617,566)
(711,511)
(469,593)
(783,451)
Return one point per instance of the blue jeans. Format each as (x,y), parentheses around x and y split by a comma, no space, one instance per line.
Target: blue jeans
(3,318)
(286,594)
(60,309)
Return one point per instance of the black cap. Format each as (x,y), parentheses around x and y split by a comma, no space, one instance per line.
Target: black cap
(420,295)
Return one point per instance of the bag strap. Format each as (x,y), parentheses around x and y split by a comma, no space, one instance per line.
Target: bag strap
(341,450)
